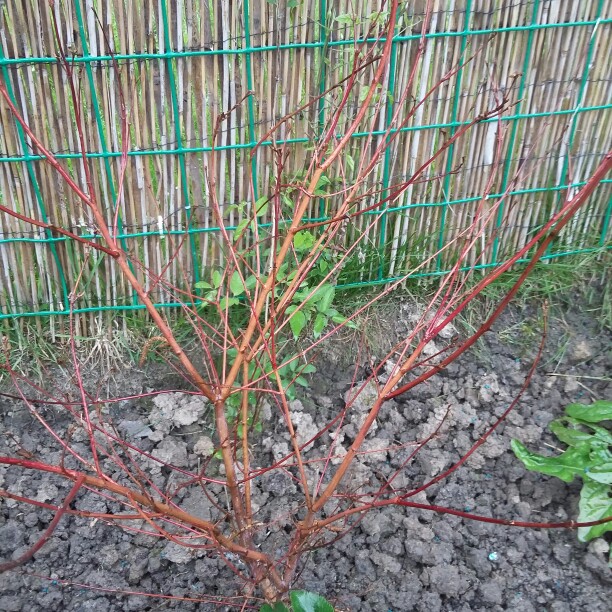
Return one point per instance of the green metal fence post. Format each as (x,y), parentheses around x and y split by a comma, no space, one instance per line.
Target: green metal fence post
(579,100)
(180,150)
(453,129)
(249,76)
(389,106)
(519,104)
(322,76)
(100,126)
(27,159)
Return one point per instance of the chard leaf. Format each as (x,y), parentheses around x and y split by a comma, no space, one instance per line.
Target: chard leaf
(595,504)
(595,413)
(566,466)
(303,601)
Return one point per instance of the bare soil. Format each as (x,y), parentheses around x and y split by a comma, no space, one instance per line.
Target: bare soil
(394,559)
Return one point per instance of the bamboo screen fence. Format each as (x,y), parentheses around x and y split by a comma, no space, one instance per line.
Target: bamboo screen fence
(183,62)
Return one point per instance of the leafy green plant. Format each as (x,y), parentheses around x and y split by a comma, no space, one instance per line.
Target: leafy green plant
(311,309)
(301,601)
(589,456)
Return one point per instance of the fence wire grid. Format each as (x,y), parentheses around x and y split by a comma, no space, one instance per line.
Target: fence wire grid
(185,62)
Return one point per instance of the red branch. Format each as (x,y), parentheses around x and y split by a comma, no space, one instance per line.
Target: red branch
(48,531)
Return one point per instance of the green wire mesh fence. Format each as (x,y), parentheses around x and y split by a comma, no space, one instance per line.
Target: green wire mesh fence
(183,63)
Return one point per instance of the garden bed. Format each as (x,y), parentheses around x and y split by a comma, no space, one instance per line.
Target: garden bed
(393,559)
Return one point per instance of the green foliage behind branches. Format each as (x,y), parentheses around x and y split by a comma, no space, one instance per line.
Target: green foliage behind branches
(229,294)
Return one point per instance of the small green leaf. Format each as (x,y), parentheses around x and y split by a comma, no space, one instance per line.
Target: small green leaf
(325,297)
(301,297)
(203,285)
(308,369)
(378,16)
(345,18)
(297,323)
(261,206)
(236,284)
(241,227)
(303,601)
(303,241)
(300,380)
(595,413)
(281,273)
(216,279)
(340,320)
(320,323)
(350,162)
(250,282)
(228,302)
